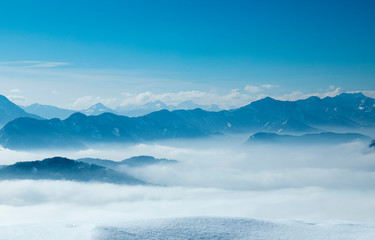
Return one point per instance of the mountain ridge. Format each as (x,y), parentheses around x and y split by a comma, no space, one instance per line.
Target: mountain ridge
(60,168)
(351,111)
(312,138)
(10,111)
(136,161)
(49,111)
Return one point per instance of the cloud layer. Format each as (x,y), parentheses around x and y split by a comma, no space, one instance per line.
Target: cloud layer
(219,177)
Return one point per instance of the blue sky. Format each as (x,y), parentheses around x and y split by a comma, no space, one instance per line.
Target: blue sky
(58,52)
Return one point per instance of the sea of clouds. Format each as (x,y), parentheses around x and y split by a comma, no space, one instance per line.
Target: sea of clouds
(214,178)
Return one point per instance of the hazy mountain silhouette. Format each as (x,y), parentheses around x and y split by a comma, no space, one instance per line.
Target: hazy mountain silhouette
(137,161)
(59,168)
(48,112)
(10,111)
(314,138)
(141,110)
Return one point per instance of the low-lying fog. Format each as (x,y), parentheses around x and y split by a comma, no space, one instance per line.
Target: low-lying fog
(214,177)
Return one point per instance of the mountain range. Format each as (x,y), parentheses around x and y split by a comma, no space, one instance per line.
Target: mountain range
(140,110)
(49,112)
(350,111)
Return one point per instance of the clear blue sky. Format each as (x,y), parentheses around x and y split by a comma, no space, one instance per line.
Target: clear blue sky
(170,46)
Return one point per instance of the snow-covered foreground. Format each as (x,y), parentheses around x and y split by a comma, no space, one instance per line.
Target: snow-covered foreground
(195,228)
(234,228)
(69,210)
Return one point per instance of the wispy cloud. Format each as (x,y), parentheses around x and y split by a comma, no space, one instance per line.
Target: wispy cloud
(32,64)
(15,91)
(257,89)
(268,86)
(18,99)
(252,89)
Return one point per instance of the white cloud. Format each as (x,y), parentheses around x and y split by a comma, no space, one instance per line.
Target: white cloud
(257,89)
(17,98)
(252,89)
(268,86)
(15,91)
(32,64)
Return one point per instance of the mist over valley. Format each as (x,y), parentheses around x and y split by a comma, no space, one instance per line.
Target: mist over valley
(212,120)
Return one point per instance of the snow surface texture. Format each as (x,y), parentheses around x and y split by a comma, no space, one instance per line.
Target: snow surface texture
(196,228)
(235,228)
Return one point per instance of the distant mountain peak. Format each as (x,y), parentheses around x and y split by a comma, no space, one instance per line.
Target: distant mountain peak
(97,109)
(35,105)
(98,105)
(269,99)
(159,102)
(266,100)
